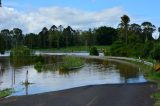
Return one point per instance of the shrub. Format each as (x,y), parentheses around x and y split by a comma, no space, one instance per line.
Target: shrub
(94,51)
(21,56)
(70,62)
(155,53)
(119,49)
(39,58)
(146,51)
(38,66)
(20,52)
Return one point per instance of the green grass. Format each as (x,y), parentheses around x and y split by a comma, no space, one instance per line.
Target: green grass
(70,62)
(6,92)
(73,48)
(156,97)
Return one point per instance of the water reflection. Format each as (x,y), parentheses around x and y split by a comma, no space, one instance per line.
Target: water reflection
(50,78)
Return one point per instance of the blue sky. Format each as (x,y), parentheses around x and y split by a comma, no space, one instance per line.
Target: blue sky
(138,10)
(135,7)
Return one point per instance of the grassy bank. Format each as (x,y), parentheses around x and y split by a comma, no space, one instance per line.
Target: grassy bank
(73,48)
(6,92)
(151,75)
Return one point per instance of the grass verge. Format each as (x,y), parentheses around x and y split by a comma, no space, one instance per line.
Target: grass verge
(6,92)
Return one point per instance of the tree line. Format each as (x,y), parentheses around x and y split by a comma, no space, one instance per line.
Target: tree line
(58,36)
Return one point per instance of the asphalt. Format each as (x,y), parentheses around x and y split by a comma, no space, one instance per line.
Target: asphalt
(95,95)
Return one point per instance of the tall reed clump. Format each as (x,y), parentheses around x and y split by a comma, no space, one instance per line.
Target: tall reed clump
(21,55)
(71,62)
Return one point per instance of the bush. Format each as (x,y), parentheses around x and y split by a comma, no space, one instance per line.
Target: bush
(20,52)
(21,56)
(146,51)
(70,62)
(106,52)
(155,53)
(119,49)
(38,66)
(94,51)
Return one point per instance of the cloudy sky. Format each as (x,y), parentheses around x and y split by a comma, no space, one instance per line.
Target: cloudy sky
(33,15)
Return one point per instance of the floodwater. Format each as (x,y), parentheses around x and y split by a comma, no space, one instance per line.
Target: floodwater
(94,72)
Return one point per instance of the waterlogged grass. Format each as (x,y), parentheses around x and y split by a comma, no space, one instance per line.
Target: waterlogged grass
(6,92)
(70,62)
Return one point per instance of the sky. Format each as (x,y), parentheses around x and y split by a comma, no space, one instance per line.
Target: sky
(33,15)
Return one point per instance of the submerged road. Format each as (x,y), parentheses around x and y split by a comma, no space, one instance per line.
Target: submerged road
(97,95)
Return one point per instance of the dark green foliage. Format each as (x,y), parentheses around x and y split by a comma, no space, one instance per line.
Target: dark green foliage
(31,40)
(21,52)
(21,55)
(39,58)
(38,66)
(17,36)
(119,49)
(105,35)
(147,48)
(155,53)
(94,51)
(2,45)
(107,52)
(130,50)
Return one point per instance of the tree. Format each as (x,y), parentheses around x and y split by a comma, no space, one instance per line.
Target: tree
(53,36)
(124,24)
(159,32)
(68,36)
(88,38)
(135,34)
(148,29)
(2,44)
(135,28)
(17,35)
(7,38)
(43,38)
(105,35)
(30,40)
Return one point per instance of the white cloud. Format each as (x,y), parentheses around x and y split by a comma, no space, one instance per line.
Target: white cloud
(34,21)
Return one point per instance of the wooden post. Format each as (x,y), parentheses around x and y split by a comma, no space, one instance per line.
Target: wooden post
(26,77)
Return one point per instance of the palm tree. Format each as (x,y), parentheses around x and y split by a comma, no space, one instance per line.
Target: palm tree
(124,24)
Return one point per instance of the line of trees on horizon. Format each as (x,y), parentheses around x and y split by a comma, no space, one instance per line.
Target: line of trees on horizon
(58,36)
